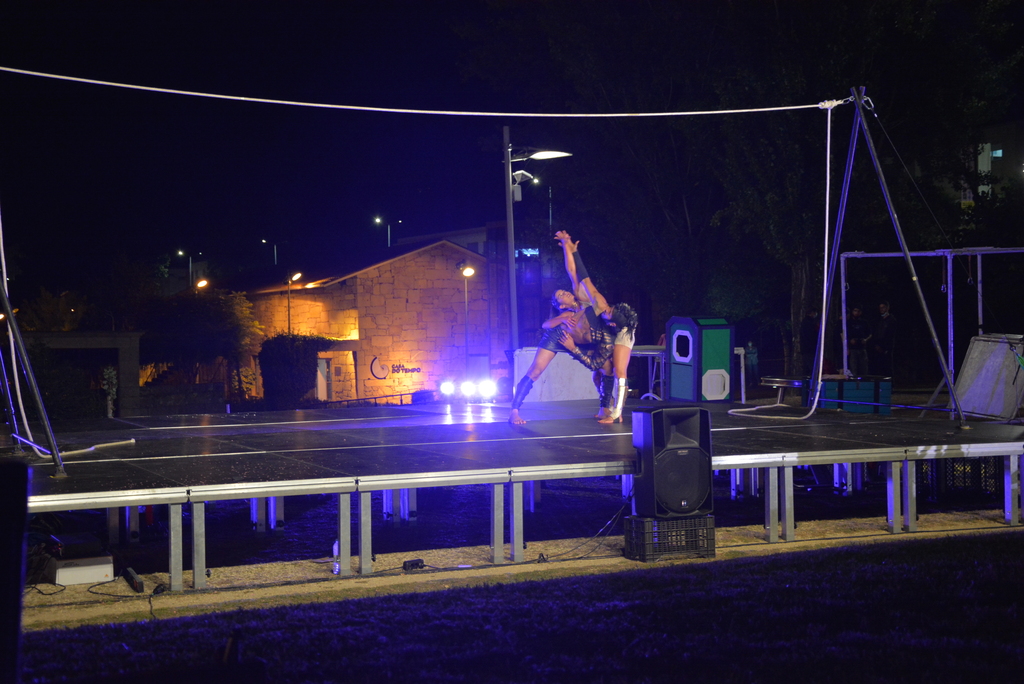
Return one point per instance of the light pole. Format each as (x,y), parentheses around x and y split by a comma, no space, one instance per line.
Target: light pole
(289,282)
(467,271)
(378,220)
(181,253)
(510,183)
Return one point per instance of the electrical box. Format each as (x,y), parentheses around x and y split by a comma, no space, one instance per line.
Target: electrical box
(91,570)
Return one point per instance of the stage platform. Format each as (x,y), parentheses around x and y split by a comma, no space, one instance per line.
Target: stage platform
(177,460)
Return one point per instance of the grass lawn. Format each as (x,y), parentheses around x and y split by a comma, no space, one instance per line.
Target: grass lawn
(918,610)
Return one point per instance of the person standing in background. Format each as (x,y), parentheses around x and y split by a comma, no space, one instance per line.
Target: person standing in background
(883,341)
(753,372)
(858,334)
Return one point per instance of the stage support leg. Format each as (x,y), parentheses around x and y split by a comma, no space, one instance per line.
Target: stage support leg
(132,522)
(198,545)
(841,480)
(174,546)
(409,504)
(532,495)
(365,532)
(258,513)
(272,512)
(627,488)
(113,526)
(910,496)
(278,510)
(1011,489)
(344,534)
(515,535)
(394,508)
(771,505)
(497,523)
(894,490)
(786,504)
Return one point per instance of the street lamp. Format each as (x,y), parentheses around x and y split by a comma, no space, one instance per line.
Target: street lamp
(467,271)
(181,253)
(378,220)
(289,282)
(512,182)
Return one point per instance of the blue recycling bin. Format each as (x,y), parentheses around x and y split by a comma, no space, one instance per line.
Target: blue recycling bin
(699,354)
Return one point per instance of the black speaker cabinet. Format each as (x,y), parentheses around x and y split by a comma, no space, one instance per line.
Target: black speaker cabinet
(674,462)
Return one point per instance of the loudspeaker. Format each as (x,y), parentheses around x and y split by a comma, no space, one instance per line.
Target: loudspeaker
(673,476)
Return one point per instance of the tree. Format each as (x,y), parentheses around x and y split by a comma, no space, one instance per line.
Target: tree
(721,211)
(289,364)
(192,328)
(53,314)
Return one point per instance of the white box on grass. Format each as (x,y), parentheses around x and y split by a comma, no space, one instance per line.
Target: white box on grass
(92,570)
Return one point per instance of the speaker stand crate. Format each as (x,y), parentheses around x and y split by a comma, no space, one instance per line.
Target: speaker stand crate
(651,539)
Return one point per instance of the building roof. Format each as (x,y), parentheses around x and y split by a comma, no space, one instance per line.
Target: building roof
(334,279)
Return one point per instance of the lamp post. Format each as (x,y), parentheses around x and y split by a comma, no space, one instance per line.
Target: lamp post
(378,220)
(510,183)
(289,282)
(467,271)
(181,253)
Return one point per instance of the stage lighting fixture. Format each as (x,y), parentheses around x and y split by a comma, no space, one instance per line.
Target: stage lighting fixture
(487,388)
(468,388)
(448,387)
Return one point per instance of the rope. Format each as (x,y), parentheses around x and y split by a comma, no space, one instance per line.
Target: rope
(826,104)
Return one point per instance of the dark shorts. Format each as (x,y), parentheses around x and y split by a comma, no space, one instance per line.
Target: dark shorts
(549,341)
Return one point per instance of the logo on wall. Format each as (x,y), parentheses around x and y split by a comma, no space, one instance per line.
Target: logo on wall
(377,369)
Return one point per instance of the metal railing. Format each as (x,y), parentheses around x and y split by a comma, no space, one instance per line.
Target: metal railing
(387,400)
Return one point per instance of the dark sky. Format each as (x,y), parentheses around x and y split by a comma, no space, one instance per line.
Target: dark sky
(88,170)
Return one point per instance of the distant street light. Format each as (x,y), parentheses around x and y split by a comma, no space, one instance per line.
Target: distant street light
(181,253)
(289,282)
(202,282)
(378,220)
(511,186)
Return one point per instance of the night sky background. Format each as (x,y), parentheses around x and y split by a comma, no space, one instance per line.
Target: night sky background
(679,216)
(87,170)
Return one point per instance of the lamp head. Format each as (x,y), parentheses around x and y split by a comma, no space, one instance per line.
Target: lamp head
(519,176)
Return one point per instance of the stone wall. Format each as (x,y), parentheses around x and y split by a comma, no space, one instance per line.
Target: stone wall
(408,316)
(164,400)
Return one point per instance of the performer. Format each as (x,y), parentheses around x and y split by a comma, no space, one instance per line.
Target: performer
(620,318)
(577,329)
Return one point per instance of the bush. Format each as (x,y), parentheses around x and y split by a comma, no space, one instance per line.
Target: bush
(288,364)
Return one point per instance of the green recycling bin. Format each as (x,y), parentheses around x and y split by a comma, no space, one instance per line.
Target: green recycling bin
(699,354)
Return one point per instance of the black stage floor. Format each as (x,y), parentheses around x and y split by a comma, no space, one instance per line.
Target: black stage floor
(204,458)
(376,443)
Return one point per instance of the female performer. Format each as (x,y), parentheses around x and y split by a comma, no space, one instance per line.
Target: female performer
(577,329)
(620,318)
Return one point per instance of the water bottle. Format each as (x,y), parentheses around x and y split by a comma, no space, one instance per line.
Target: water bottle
(336,568)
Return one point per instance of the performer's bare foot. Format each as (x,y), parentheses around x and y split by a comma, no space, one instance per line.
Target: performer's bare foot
(603,413)
(515,419)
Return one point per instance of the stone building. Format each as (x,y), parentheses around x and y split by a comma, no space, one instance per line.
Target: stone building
(400,325)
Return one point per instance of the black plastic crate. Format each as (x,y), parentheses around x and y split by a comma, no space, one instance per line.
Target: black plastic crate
(949,479)
(649,539)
